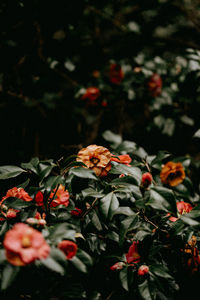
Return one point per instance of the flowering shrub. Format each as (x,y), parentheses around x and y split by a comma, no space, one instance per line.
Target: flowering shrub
(75,234)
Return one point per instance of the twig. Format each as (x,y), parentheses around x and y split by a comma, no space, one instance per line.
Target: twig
(90,208)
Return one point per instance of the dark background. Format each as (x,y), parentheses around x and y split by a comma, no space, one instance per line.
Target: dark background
(49,51)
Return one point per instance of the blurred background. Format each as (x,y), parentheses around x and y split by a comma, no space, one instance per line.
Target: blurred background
(69,70)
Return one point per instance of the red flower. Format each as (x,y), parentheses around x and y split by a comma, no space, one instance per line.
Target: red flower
(68,247)
(183,208)
(116,74)
(123,159)
(155,85)
(76,212)
(133,255)
(24,245)
(146,180)
(39,198)
(61,197)
(143,270)
(91,94)
(118,266)
(17,193)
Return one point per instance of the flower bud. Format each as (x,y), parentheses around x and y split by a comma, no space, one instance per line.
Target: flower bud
(118,266)
(146,180)
(143,270)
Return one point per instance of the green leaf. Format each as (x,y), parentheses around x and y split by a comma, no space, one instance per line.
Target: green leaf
(61,231)
(124,210)
(78,264)
(84,257)
(160,157)
(161,271)
(9,274)
(53,265)
(111,137)
(95,220)
(197,134)
(17,203)
(107,205)
(187,220)
(123,276)
(24,184)
(144,290)
(10,172)
(124,180)
(89,192)
(52,182)
(135,172)
(162,199)
(83,173)
(128,224)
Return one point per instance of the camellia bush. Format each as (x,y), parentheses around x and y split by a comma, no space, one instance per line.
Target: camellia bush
(109,222)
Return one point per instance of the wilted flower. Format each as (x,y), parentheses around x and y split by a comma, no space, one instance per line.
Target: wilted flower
(68,247)
(24,245)
(96,158)
(118,266)
(92,93)
(172,173)
(146,180)
(155,85)
(61,197)
(116,74)
(143,270)
(133,256)
(123,159)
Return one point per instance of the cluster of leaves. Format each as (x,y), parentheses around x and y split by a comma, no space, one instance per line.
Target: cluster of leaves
(115,212)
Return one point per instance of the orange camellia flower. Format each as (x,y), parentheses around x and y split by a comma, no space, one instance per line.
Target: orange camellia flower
(133,256)
(68,247)
(96,158)
(172,173)
(123,159)
(155,85)
(116,74)
(92,93)
(61,197)
(17,193)
(23,245)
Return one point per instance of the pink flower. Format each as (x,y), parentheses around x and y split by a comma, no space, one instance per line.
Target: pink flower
(143,270)
(122,159)
(61,197)
(118,266)
(146,180)
(68,247)
(133,255)
(23,245)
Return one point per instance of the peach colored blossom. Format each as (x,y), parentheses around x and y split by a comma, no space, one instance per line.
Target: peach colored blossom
(96,158)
